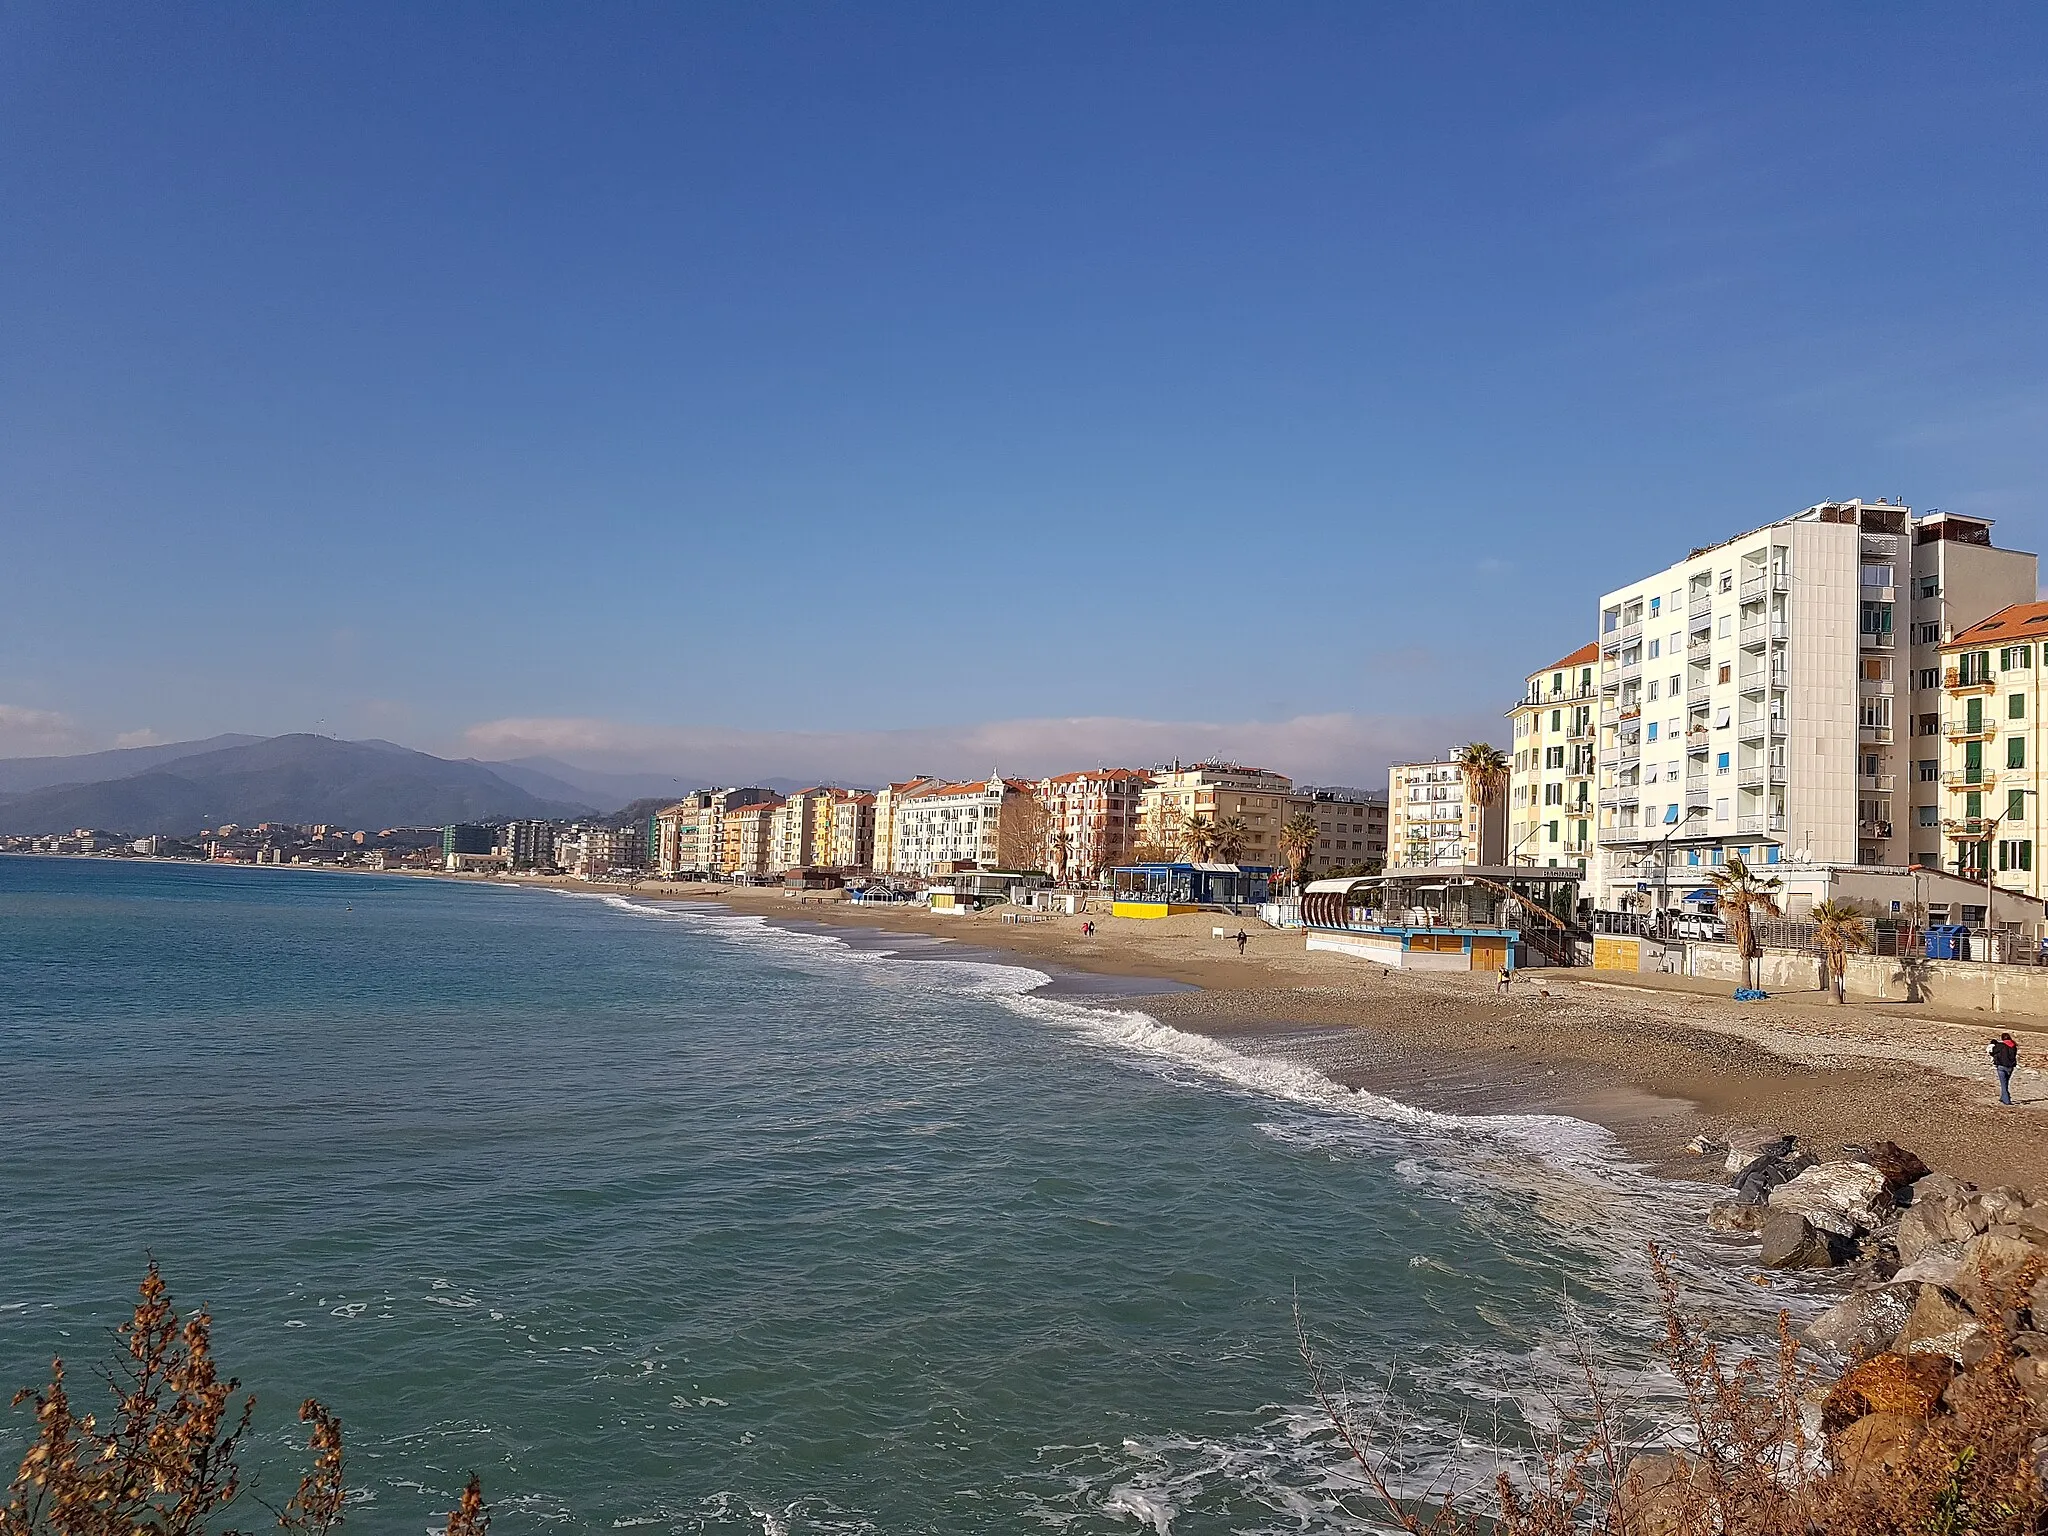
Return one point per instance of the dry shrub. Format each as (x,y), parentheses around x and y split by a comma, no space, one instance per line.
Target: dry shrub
(1746,1462)
(167,1462)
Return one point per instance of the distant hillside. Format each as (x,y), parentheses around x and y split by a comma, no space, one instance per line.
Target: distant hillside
(18,775)
(296,779)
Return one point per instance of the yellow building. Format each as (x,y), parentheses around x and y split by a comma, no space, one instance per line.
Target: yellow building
(1260,799)
(888,803)
(1992,745)
(1551,806)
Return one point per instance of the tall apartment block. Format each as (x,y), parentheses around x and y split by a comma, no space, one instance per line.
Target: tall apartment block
(1432,820)
(1761,696)
(1551,807)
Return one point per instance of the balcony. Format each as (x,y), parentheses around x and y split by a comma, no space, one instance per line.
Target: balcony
(1759,586)
(1774,822)
(1873,687)
(1762,774)
(1875,783)
(1969,828)
(1696,739)
(1871,641)
(1757,679)
(1701,797)
(1701,608)
(1873,735)
(1876,829)
(1968,778)
(1697,694)
(1621,634)
(1762,632)
(1698,642)
(1760,727)
(1954,681)
(1967,729)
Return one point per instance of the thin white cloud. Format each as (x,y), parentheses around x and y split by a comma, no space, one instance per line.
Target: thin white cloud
(1328,749)
(28,732)
(142,738)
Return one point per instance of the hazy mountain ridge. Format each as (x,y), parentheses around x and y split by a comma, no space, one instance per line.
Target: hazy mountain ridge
(297,779)
(20,775)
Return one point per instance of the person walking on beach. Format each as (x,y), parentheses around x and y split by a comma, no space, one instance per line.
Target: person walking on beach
(1506,976)
(1242,939)
(2005,1055)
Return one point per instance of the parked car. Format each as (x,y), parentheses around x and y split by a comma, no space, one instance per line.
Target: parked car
(1692,925)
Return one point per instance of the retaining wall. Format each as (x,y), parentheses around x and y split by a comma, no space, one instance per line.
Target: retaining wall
(1959,984)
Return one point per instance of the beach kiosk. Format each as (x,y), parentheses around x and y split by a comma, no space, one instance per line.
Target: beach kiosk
(1448,918)
(1163,890)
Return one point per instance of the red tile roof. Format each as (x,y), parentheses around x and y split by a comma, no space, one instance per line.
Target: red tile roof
(2020,621)
(1585,655)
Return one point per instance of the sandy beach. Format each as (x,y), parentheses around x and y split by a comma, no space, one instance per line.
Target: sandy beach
(1655,1060)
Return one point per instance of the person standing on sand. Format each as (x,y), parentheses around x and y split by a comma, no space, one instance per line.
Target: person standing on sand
(2005,1055)
(1506,976)
(1242,939)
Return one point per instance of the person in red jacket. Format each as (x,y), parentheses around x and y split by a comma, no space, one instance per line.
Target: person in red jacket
(2005,1055)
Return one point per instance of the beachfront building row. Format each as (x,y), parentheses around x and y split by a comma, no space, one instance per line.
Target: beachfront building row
(1435,819)
(1991,744)
(1784,696)
(1077,826)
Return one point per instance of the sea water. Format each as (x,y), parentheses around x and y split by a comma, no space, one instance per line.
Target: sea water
(661,1217)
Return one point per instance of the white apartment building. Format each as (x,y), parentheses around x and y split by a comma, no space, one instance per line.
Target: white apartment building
(793,835)
(889,800)
(962,823)
(1756,696)
(853,832)
(1551,804)
(1432,819)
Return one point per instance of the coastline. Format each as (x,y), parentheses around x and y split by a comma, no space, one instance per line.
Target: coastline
(1652,1065)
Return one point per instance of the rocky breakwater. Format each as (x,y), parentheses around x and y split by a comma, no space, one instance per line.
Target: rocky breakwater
(1946,1313)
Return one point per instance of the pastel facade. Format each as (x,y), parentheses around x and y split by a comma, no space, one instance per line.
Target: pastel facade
(1995,686)
(1092,820)
(853,832)
(1261,799)
(889,800)
(1433,820)
(1351,829)
(748,836)
(1551,803)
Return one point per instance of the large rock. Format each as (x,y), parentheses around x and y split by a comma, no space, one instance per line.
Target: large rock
(1744,1150)
(1942,1186)
(1876,1444)
(1864,1324)
(1997,1271)
(1888,1383)
(2031,1223)
(1940,1265)
(1790,1241)
(1899,1167)
(1843,1198)
(2032,1376)
(1932,1220)
(1660,1496)
(1939,1325)
(1996,1205)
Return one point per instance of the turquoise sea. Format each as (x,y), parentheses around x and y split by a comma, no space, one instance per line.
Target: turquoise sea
(663,1218)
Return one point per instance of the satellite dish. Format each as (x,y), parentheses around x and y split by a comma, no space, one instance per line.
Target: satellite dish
(1802,855)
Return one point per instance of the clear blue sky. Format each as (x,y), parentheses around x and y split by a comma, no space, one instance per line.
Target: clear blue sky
(642,372)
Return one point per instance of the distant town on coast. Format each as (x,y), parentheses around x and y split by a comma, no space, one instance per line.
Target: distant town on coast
(1847,696)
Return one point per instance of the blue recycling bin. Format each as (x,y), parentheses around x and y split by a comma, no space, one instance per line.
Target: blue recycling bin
(1948,941)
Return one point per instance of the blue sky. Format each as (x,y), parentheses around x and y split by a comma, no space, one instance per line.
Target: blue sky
(885,388)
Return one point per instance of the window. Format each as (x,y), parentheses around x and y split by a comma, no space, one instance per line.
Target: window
(1655,604)
(2015,751)
(2015,804)
(1929,815)
(1973,805)
(1927,677)
(1650,730)
(1727,672)
(1930,725)
(1552,831)
(1557,719)
(1927,634)
(1771,853)
(1721,763)
(2015,657)
(2017,854)
(1929,769)
(2016,707)
(1653,689)
(1877,618)
(1726,621)
(1610,620)
(1721,718)
(1727,581)
(1929,586)
(1721,810)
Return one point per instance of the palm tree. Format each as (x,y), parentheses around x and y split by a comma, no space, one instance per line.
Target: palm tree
(1485,768)
(1838,928)
(1229,837)
(1298,836)
(1198,837)
(1744,897)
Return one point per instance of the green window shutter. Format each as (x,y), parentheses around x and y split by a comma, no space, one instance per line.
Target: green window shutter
(2015,804)
(1973,713)
(1973,805)
(2026,853)
(2015,751)
(1973,760)
(2016,707)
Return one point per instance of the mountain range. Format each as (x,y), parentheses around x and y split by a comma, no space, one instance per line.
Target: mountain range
(181,787)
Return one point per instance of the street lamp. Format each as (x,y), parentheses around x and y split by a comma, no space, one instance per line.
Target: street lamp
(1664,868)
